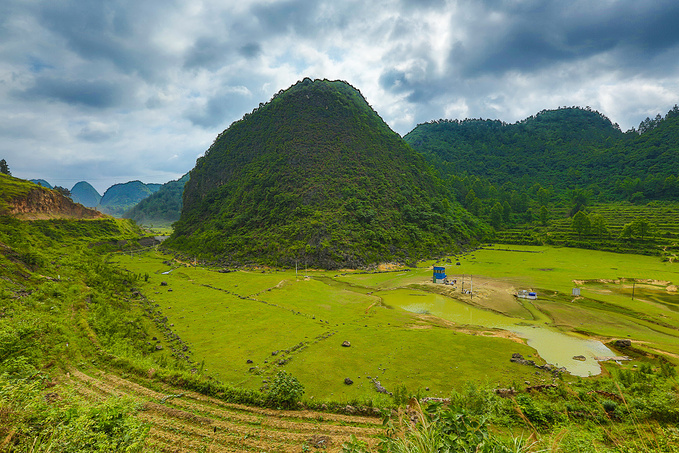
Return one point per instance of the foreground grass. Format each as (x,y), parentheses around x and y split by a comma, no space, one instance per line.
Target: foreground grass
(68,316)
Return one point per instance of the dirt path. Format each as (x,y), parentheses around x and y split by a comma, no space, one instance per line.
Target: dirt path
(183,421)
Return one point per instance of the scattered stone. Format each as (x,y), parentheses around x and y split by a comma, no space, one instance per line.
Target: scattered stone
(505,393)
(346,344)
(350,409)
(249,361)
(274,353)
(163,283)
(378,387)
(159,347)
(348,381)
(624,343)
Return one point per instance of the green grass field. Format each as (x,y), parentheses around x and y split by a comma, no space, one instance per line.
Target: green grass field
(278,320)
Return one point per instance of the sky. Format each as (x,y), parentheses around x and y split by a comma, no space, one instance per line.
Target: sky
(120,90)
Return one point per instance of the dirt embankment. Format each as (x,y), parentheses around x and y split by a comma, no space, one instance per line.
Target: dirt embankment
(41,203)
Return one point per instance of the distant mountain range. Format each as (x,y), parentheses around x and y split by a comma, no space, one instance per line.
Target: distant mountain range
(117,199)
(316,175)
(161,208)
(121,197)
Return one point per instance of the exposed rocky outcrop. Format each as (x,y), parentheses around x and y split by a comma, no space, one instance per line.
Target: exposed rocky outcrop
(40,203)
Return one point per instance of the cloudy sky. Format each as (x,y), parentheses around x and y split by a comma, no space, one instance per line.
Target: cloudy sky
(117,90)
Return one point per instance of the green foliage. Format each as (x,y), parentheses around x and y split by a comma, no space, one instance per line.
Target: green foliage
(315,176)
(581,223)
(285,390)
(72,426)
(4,168)
(439,429)
(120,197)
(162,207)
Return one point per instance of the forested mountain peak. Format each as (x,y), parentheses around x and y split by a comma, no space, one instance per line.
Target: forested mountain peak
(83,193)
(565,123)
(315,175)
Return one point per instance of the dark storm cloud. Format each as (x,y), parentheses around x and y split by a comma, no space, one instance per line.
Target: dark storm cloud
(531,36)
(90,93)
(113,31)
(159,78)
(227,104)
(250,50)
(208,52)
(287,16)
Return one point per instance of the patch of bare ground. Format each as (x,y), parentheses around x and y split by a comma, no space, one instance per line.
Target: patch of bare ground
(428,321)
(183,421)
(487,293)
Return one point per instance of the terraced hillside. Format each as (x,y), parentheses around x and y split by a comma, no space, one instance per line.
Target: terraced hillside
(184,421)
(662,217)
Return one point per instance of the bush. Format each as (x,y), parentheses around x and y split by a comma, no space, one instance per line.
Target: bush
(285,390)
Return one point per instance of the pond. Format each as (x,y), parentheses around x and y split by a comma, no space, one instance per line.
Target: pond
(554,346)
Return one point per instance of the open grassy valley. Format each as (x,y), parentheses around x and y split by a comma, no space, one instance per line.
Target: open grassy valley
(298,303)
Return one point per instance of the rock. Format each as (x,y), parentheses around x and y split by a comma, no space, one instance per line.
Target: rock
(274,353)
(346,344)
(625,343)
(159,347)
(348,381)
(505,393)
(249,361)
(581,358)
(163,283)
(350,409)
(378,386)
(318,441)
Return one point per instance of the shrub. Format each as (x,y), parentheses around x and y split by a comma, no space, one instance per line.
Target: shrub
(285,390)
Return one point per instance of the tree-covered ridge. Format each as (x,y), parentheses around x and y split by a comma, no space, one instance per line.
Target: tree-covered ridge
(162,207)
(120,197)
(564,149)
(316,176)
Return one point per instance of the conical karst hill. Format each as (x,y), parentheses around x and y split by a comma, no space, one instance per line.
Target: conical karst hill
(316,177)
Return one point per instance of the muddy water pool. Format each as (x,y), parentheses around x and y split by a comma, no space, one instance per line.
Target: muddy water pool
(554,346)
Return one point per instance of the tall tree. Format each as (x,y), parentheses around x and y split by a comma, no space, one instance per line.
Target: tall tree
(4,168)
(581,223)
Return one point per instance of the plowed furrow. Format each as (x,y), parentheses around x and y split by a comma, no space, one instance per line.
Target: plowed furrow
(184,421)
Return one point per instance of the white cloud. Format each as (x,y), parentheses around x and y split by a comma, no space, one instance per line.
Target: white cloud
(113,91)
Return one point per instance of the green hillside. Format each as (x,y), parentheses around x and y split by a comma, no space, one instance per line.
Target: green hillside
(83,193)
(564,149)
(120,197)
(315,176)
(161,208)
(529,179)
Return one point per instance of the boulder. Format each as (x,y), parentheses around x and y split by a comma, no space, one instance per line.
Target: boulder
(348,381)
(346,344)
(624,343)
